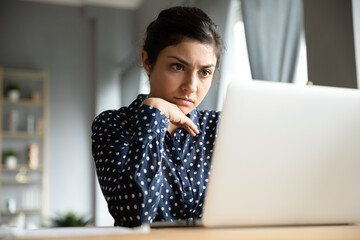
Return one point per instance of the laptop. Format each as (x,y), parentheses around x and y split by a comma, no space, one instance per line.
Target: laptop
(285,155)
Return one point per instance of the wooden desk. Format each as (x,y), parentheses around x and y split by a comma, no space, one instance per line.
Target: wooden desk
(276,233)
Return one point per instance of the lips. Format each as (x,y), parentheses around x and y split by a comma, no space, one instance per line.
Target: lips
(184,101)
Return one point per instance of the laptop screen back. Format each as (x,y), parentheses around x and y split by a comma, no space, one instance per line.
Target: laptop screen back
(285,155)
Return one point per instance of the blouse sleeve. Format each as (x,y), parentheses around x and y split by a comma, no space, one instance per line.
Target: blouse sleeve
(128,158)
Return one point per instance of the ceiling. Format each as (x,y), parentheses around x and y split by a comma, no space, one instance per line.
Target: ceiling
(129,4)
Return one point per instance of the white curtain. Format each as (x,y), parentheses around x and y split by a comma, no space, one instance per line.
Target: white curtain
(273,29)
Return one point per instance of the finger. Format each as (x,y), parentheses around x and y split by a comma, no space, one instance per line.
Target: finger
(181,120)
(190,131)
(195,131)
(188,125)
(191,127)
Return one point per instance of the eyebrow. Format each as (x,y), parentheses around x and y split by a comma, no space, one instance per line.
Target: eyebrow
(187,63)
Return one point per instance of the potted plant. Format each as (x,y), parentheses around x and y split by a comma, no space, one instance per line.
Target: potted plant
(69,219)
(13,91)
(11,158)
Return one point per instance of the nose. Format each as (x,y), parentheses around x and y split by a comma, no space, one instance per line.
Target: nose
(190,83)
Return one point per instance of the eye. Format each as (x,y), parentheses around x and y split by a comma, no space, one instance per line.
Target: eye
(177,67)
(205,73)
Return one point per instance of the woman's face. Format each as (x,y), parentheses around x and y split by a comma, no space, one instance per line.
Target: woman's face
(182,73)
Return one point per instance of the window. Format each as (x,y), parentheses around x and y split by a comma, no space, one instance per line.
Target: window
(240,61)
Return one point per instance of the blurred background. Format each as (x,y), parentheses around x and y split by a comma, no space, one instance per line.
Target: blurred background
(87,55)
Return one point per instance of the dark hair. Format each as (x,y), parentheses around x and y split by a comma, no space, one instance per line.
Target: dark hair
(176,23)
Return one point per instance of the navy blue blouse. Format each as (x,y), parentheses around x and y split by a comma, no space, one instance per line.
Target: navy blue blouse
(146,174)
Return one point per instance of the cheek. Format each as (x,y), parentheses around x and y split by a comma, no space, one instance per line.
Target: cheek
(163,82)
(205,87)
(170,81)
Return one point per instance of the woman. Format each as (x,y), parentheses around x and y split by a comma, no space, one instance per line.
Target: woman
(153,157)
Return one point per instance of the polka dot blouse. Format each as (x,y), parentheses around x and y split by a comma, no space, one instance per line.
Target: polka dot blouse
(146,174)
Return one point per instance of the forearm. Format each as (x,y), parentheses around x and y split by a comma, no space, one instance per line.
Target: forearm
(134,189)
(129,165)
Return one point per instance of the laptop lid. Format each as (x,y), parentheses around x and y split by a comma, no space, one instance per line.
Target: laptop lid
(285,155)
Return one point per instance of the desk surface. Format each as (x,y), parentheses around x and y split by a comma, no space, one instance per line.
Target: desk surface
(278,233)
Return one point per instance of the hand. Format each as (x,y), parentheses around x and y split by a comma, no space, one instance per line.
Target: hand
(173,113)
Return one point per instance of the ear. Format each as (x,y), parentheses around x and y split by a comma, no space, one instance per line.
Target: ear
(145,61)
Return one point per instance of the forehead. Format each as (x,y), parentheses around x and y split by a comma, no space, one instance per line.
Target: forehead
(192,51)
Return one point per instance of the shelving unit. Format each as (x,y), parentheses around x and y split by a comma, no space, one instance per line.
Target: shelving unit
(24,184)
(26,211)
(21,135)
(21,166)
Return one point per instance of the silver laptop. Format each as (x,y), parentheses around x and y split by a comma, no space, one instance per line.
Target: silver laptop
(285,155)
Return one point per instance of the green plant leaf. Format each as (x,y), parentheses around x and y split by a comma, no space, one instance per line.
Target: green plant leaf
(69,219)
(12,86)
(10,152)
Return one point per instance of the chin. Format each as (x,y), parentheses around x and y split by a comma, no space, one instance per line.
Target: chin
(185,110)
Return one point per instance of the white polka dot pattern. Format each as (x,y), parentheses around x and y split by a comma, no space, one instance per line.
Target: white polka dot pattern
(145,174)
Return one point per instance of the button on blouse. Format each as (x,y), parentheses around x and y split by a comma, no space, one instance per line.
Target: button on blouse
(146,174)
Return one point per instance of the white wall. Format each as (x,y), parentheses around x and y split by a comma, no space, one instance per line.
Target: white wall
(81,49)
(55,38)
(330,48)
